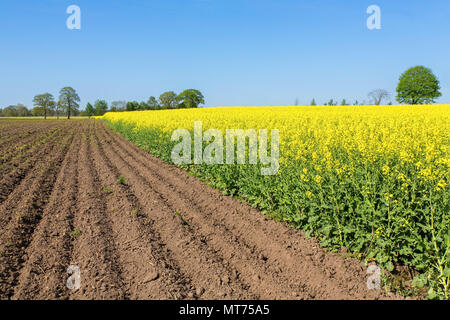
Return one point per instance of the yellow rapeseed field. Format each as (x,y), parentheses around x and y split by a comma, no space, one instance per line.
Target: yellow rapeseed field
(373,179)
(394,135)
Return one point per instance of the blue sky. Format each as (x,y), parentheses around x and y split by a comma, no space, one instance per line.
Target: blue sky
(237,52)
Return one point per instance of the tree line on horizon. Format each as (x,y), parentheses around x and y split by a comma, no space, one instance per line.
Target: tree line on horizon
(190,98)
(45,105)
(417,85)
(68,104)
(376,97)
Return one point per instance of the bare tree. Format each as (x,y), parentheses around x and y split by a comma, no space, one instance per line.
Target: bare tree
(377,96)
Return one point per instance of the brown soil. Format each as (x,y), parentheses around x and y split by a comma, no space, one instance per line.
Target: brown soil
(160,235)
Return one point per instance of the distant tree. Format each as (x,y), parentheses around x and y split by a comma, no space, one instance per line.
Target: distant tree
(143,106)
(190,98)
(90,111)
(153,103)
(418,85)
(377,96)
(22,111)
(331,103)
(313,102)
(45,102)
(296,102)
(10,111)
(168,100)
(132,106)
(356,103)
(100,107)
(37,112)
(344,102)
(68,100)
(118,106)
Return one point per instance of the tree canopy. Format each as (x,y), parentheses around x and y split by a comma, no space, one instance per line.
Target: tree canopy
(418,85)
(168,100)
(132,106)
(100,106)
(190,98)
(44,103)
(153,103)
(90,110)
(68,100)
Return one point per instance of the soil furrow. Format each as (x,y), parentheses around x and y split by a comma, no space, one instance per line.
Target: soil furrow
(20,170)
(24,217)
(24,136)
(149,272)
(14,153)
(27,183)
(95,250)
(42,276)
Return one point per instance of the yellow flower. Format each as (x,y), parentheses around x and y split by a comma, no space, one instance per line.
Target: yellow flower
(388,196)
(412,142)
(318,179)
(442,184)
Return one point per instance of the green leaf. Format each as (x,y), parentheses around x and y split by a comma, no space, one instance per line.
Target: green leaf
(390,266)
(419,282)
(431,294)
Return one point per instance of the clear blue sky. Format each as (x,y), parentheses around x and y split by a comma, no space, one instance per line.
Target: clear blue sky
(237,52)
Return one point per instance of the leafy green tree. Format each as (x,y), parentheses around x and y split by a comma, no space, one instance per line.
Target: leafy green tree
(132,106)
(90,110)
(418,85)
(45,102)
(313,102)
(100,106)
(190,98)
(10,111)
(36,112)
(68,100)
(143,106)
(344,102)
(153,103)
(22,111)
(168,100)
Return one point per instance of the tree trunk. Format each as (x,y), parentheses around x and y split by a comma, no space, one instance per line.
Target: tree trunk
(45,113)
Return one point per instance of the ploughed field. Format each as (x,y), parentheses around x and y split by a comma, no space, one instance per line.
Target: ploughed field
(75,193)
